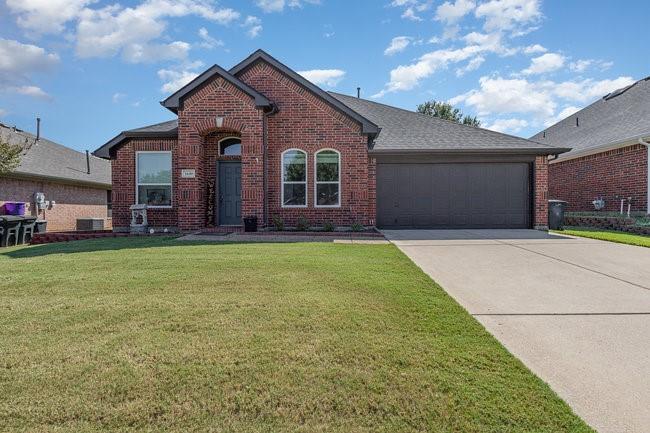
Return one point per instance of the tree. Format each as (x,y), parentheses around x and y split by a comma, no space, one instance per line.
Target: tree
(445,110)
(9,157)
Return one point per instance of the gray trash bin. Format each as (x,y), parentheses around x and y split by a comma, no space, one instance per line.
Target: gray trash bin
(10,230)
(556,210)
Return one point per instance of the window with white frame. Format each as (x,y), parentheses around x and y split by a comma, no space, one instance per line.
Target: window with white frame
(294,178)
(328,178)
(154,178)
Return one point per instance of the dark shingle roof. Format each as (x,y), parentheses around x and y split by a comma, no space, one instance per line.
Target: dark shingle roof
(168,129)
(49,160)
(403,130)
(619,116)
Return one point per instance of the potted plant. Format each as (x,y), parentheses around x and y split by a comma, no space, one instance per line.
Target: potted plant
(250,223)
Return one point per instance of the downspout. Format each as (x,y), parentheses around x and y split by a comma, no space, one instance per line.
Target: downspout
(647,146)
(265,175)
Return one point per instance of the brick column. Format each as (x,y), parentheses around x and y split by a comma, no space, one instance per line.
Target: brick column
(541,193)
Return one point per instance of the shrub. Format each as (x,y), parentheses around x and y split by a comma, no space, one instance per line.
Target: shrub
(302,224)
(356,227)
(328,226)
(278,223)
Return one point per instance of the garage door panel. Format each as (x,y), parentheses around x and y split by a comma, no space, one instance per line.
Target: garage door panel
(459,195)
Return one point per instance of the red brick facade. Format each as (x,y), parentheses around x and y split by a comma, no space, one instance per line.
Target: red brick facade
(303,120)
(541,171)
(612,175)
(72,201)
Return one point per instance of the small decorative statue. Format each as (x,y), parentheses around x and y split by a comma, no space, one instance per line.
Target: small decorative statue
(139,223)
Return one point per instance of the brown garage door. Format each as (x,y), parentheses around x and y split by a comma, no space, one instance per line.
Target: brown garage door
(455,195)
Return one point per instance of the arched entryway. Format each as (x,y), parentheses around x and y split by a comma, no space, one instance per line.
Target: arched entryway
(223,176)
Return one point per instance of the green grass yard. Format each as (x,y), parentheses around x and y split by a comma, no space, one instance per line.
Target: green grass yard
(156,335)
(607,235)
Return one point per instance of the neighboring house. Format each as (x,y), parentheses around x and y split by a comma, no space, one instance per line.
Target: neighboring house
(609,159)
(260,140)
(74,186)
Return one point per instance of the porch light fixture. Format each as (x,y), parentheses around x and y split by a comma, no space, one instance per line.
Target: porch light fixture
(219,122)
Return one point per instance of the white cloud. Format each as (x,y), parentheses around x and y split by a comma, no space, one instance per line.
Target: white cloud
(269,6)
(472,65)
(452,12)
(31,91)
(327,77)
(548,62)
(505,96)
(46,16)
(588,89)
(580,65)
(397,44)
(534,49)
(502,15)
(253,25)
(539,99)
(3,112)
(409,14)
(175,78)
(132,31)
(407,77)
(117,97)
(19,62)
(208,41)
(508,125)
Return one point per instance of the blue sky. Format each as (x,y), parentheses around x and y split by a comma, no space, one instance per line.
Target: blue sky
(92,68)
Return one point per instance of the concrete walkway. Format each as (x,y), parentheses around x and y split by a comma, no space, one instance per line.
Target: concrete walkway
(576,311)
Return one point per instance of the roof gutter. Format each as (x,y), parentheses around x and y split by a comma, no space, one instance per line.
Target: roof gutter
(647,146)
(524,151)
(630,141)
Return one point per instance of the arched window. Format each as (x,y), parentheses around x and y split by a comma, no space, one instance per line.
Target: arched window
(294,178)
(230,146)
(327,178)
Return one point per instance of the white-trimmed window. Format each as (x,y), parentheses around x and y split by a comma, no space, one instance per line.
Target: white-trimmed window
(153,178)
(327,178)
(294,178)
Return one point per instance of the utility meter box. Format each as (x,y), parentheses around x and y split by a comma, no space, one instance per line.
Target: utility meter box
(39,199)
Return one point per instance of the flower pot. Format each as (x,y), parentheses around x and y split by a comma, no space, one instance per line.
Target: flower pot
(250,224)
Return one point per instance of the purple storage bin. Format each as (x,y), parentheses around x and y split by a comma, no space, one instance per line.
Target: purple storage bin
(14,208)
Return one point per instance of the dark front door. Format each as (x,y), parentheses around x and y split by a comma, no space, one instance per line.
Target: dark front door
(229,197)
(465,195)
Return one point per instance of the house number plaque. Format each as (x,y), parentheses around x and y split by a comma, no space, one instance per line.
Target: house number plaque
(188,173)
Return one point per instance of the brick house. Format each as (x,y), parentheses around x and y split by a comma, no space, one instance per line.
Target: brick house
(609,159)
(74,185)
(260,140)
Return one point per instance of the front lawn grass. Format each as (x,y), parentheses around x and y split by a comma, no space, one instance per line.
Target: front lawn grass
(607,235)
(157,335)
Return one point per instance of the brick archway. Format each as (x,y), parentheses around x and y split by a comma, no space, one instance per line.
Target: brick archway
(208,126)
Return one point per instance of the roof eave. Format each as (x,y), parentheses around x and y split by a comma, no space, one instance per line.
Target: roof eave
(58,179)
(631,141)
(105,150)
(492,151)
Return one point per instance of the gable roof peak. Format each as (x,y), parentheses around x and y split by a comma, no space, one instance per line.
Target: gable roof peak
(173,101)
(367,126)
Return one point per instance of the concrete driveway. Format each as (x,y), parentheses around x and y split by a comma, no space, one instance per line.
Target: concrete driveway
(576,311)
